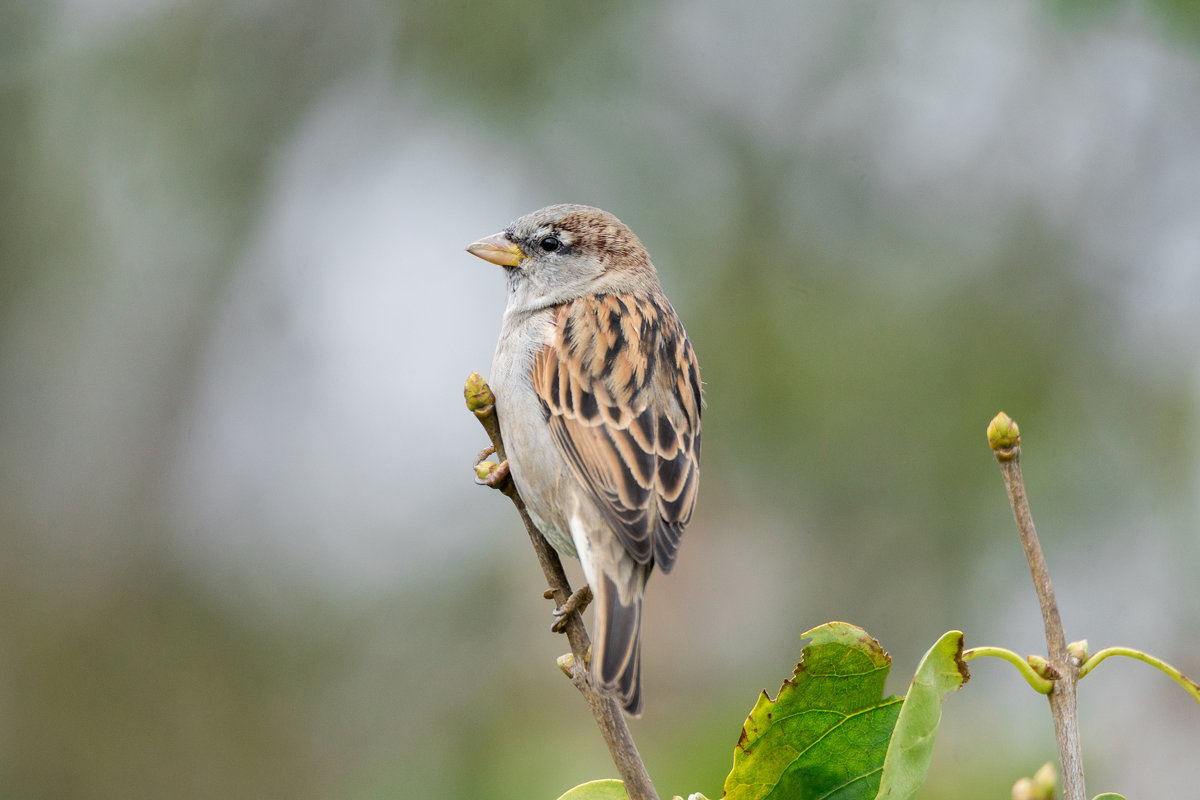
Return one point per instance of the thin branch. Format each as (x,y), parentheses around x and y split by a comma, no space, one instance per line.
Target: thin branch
(1005,440)
(605,709)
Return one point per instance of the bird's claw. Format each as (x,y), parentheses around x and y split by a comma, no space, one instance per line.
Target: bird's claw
(577,602)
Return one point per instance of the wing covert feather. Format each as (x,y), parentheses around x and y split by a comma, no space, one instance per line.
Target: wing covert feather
(620,390)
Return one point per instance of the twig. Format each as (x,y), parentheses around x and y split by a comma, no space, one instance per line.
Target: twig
(1005,440)
(605,709)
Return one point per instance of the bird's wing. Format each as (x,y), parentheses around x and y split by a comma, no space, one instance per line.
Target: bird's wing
(620,390)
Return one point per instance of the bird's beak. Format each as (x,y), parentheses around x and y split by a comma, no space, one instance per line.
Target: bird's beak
(497,249)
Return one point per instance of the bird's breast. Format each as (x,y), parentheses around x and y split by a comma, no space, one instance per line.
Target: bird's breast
(541,474)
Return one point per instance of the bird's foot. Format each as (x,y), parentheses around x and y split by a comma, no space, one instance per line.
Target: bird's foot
(489,473)
(578,601)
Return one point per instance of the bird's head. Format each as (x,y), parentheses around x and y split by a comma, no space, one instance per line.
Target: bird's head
(563,252)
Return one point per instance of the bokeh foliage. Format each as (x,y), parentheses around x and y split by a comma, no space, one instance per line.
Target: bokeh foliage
(855,338)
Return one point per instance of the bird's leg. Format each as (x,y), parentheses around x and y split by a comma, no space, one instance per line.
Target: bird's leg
(489,473)
(578,601)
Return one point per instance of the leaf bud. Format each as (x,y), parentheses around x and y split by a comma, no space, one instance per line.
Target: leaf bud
(477,393)
(1003,434)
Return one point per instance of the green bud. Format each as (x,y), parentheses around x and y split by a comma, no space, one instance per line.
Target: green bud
(1003,433)
(566,662)
(1043,667)
(1023,790)
(1079,650)
(1039,787)
(477,392)
(1044,781)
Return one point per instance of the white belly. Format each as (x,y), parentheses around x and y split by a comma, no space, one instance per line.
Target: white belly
(542,476)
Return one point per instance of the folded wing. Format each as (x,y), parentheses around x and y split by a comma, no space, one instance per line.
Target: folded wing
(620,388)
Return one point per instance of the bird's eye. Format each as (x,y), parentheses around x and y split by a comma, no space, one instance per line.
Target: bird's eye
(550,243)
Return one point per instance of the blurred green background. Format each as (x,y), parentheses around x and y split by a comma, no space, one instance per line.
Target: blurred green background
(242,553)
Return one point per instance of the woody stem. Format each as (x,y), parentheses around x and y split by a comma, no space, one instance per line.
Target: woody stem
(606,711)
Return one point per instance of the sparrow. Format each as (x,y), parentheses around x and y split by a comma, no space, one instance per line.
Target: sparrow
(598,397)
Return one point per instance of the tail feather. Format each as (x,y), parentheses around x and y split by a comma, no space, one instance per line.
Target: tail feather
(629,689)
(617,650)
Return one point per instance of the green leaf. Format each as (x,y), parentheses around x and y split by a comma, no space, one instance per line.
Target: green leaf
(941,671)
(1109,796)
(826,734)
(608,789)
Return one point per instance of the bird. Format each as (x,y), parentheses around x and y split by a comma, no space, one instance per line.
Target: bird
(598,398)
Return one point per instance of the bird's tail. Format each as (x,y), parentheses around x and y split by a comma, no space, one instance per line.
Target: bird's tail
(617,650)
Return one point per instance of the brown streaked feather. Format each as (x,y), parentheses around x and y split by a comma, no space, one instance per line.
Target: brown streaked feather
(620,389)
